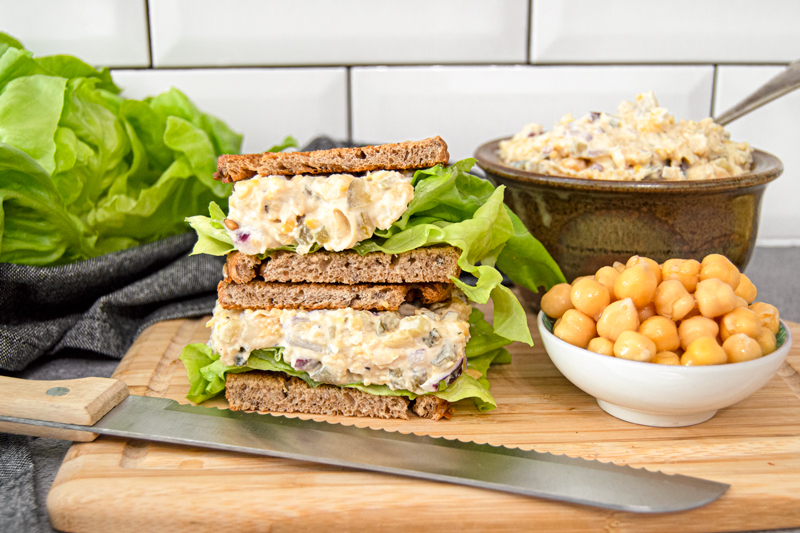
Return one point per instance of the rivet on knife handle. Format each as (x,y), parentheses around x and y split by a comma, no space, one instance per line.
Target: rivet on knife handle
(74,401)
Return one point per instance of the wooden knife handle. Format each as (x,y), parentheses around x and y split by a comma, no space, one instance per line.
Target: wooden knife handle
(71,401)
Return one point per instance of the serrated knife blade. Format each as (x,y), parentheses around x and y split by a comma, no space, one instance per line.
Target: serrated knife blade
(531,473)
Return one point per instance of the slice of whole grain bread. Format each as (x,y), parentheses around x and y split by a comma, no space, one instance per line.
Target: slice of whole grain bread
(399,156)
(311,296)
(423,265)
(278,392)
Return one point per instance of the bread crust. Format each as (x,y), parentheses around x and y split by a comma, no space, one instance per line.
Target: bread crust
(432,407)
(313,296)
(397,156)
(278,392)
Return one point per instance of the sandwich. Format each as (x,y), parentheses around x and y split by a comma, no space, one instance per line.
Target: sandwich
(341,290)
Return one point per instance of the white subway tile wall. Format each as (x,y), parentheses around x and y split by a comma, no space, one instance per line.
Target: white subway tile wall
(654,31)
(468,106)
(776,129)
(467,70)
(263,104)
(351,32)
(102,32)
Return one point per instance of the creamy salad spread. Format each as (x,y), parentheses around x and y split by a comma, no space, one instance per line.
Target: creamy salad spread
(641,142)
(335,212)
(412,349)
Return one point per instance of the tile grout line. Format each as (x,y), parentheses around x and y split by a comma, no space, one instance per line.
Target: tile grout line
(529,36)
(714,91)
(445,65)
(349,104)
(149,33)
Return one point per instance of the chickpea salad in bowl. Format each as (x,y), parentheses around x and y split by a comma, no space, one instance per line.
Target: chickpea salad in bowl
(642,141)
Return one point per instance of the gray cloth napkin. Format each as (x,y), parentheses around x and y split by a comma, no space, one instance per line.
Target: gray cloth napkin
(103,303)
(99,305)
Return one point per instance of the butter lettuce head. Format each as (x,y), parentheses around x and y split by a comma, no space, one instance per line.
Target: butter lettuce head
(450,206)
(207,373)
(85,172)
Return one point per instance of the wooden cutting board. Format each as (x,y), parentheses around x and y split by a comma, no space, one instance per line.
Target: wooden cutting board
(118,485)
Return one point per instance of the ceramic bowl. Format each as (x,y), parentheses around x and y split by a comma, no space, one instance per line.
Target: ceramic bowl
(661,395)
(586,224)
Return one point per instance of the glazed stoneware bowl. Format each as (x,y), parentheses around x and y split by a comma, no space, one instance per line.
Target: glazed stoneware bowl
(661,395)
(587,224)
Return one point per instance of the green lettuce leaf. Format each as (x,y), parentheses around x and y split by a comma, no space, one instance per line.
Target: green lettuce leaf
(207,373)
(30,108)
(34,223)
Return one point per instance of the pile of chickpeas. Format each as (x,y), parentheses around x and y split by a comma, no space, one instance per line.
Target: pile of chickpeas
(683,312)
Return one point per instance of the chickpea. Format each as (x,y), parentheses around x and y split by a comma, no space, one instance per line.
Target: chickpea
(662,331)
(673,301)
(589,297)
(695,328)
(607,276)
(619,267)
(715,266)
(768,315)
(638,260)
(667,358)
(687,271)
(740,302)
(575,328)
(602,346)
(637,283)
(766,341)
(746,289)
(616,318)
(635,347)
(714,297)
(646,312)
(579,278)
(740,320)
(704,351)
(740,347)
(556,301)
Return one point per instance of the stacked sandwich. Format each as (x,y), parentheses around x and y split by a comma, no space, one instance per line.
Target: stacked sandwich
(341,290)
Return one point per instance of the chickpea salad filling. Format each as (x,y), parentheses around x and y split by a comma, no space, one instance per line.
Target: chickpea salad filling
(413,349)
(642,141)
(334,212)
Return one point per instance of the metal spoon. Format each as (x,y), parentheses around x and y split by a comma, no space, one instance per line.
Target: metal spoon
(784,83)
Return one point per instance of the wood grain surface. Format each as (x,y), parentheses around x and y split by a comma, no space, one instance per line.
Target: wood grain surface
(118,485)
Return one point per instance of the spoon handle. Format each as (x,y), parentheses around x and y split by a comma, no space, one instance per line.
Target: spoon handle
(785,82)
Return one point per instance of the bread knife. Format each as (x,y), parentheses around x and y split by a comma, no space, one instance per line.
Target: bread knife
(90,406)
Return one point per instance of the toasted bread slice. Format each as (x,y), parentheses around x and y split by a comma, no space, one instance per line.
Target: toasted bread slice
(436,264)
(399,156)
(278,392)
(312,296)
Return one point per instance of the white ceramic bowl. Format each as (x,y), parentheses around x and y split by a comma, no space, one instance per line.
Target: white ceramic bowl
(660,395)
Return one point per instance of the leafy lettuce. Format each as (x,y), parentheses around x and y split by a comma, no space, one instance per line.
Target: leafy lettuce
(450,206)
(207,373)
(84,172)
